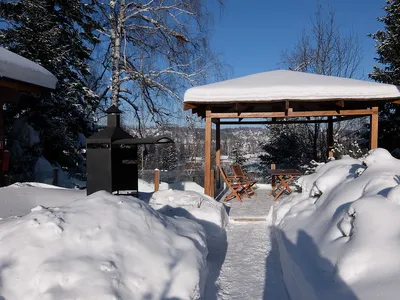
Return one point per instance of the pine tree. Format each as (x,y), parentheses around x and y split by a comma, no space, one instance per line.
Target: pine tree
(169,157)
(287,148)
(237,154)
(59,35)
(388,50)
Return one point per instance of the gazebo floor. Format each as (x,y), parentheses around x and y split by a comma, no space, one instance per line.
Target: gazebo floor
(254,209)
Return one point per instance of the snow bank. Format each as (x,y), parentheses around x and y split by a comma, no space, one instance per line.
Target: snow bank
(339,238)
(101,247)
(192,205)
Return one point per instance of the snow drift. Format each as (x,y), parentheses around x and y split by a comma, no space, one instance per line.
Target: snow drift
(192,205)
(339,239)
(101,247)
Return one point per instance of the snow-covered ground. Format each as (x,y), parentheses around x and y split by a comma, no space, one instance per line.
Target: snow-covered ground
(339,239)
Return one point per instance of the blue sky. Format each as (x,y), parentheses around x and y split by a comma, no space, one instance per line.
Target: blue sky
(250,35)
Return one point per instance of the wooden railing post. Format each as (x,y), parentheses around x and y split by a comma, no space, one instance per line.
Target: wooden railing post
(273,167)
(156,180)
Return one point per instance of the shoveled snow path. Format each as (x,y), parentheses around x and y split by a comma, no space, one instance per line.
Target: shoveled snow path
(244,264)
(251,269)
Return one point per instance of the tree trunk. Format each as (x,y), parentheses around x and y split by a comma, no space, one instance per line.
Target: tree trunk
(116,21)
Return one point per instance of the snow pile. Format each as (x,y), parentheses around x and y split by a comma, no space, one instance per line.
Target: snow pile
(101,247)
(339,239)
(192,205)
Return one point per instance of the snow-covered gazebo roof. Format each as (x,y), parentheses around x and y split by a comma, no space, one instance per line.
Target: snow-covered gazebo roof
(289,85)
(21,73)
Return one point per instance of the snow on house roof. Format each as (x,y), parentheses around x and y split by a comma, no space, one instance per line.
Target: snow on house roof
(16,67)
(290,85)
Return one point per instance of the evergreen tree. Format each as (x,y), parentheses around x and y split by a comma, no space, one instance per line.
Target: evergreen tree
(169,157)
(59,35)
(237,154)
(286,148)
(388,50)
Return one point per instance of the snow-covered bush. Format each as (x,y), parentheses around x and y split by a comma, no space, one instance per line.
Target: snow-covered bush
(351,149)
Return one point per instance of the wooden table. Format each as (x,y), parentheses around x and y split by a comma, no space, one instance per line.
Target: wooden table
(285,177)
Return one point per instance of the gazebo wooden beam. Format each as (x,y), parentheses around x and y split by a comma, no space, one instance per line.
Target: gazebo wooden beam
(374,128)
(187,106)
(218,153)
(339,103)
(271,122)
(207,153)
(275,121)
(279,114)
(330,141)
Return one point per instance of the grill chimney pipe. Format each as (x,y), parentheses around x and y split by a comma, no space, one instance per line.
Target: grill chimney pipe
(113,116)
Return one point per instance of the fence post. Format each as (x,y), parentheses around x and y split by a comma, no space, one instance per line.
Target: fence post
(273,167)
(156,179)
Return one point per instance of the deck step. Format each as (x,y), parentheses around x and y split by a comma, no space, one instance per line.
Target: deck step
(248,219)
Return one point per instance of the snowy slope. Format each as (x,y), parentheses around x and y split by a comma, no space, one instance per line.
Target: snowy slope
(339,239)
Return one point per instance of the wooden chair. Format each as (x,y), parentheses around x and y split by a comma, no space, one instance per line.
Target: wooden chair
(234,186)
(241,175)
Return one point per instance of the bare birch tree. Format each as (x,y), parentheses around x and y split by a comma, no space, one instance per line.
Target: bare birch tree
(157,48)
(324,50)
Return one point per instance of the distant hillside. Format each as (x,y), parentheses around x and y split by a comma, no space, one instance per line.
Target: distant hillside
(189,143)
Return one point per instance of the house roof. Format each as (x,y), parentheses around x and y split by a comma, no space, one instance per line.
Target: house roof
(283,85)
(18,68)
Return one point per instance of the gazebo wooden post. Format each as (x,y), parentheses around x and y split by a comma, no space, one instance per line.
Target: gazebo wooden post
(218,152)
(207,154)
(330,137)
(374,128)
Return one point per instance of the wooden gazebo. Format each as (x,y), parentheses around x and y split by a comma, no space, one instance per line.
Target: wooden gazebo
(267,98)
(18,75)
